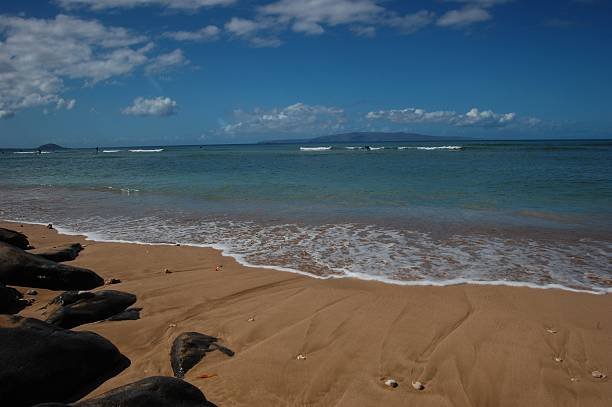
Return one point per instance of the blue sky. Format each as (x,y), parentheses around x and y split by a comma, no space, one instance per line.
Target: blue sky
(150,72)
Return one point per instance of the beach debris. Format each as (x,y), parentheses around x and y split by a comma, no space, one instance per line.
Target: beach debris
(300,357)
(558,359)
(31,292)
(50,226)
(219,267)
(171,325)
(251,319)
(189,348)
(391,383)
(574,379)
(418,385)
(167,271)
(207,376)
(551,330)
(110,281)
(598,375)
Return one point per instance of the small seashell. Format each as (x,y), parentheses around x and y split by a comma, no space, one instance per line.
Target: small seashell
(418,385)
(300,357)
(598,375)
(167,271)
(251,319)
(574,379)
(391,383)
(558,359)
(551,331)
(171,325)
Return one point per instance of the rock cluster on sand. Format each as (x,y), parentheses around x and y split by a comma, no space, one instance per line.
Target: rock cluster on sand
(60,253)
(189,348)
(45,362)
(14,238)
(74,308)
(21,268)
(156,391)
(40,362)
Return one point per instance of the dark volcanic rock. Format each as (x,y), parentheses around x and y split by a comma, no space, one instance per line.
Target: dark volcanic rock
(11,301)
(189,348)
(156,391)
(40,362)
(61,253)
(14,238)
(74,308)
(21,268)
(130,314)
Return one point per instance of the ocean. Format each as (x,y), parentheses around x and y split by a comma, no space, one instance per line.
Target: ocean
(534,213)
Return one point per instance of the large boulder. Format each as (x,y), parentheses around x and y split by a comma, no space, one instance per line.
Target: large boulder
(156,391)
(40,362)
(11,300)
(14,238)
(189,348)
(74,308)
(21,268)
(60,253)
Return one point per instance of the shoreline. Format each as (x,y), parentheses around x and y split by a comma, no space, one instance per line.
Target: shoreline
(468,344)
(224,251)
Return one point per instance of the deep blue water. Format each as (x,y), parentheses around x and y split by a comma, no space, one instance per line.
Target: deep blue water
(538,212)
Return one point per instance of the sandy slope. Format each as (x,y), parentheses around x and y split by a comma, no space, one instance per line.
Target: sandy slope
(469,345)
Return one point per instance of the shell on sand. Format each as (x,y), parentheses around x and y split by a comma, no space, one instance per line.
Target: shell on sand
(300,357)
(418,385)
(391,383)
(558,359)
(598,375)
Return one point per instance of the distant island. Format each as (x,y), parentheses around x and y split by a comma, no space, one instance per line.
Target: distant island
(363,137)
(51,147)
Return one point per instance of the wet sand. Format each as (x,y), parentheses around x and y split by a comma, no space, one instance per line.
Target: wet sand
(469,345)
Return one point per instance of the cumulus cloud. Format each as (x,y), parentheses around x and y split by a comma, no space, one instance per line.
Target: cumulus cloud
(310,16)
(296,118)
(165,62)
(37,56)
(463,17)
(159,106)
(474,117)
(208,33)
(252,31)
(98,5)
(65,104)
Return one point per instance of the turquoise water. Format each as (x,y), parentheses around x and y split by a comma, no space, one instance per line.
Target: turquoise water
(530,212)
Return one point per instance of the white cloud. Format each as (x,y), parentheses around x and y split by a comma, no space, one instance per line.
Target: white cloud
(65,104)
(463,17)
(310,16)
(474,117)
(165,62)
(37,57)
(159,106)
(208,33)
(411,23)
(250,30)
(296,118)
(170,4)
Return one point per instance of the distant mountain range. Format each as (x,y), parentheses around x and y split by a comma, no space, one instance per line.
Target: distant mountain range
(51,147)
(363,137)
